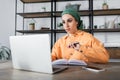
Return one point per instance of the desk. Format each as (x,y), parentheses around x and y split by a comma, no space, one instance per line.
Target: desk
(72,73)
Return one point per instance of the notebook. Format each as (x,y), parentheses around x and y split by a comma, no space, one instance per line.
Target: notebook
(32,53)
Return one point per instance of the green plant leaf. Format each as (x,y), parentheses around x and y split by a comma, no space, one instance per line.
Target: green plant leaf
(5,53)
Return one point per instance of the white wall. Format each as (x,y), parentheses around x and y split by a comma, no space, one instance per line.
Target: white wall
(7,20)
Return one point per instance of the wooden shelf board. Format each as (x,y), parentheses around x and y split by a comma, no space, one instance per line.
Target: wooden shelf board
(34,31)
(82,13)
(68,0)
(35,14)
(106,30)
(63,31)
(106,12)
(35,1)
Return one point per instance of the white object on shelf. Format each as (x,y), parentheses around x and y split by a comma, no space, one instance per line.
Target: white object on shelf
(112,44)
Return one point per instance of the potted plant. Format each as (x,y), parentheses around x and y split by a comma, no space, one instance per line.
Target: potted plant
(43,9)
(105,6)
(95,26)
(31,26)
(5,53)
(60,26)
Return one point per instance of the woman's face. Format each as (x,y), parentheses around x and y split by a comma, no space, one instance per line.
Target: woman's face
(69,23)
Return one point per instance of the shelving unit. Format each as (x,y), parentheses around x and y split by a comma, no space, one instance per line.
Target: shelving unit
(29,15)
(53,14)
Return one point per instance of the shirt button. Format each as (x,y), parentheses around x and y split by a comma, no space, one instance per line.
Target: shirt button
(81,51)
(71,53)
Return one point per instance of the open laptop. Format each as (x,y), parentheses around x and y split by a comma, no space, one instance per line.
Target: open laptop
(32,52)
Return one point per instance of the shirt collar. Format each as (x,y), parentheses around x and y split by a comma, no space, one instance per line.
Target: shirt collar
(75,34)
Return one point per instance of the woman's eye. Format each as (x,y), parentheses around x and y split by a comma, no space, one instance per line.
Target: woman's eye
(69,20)
(63,22)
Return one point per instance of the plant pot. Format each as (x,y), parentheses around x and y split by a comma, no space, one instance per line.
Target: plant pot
(105,7)
(31,26)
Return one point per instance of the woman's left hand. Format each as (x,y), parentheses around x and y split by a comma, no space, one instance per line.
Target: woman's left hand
(74,45)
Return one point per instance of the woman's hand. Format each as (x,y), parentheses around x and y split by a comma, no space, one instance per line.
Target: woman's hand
(74,45)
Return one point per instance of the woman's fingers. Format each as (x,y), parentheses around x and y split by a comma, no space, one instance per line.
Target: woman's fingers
(74,45)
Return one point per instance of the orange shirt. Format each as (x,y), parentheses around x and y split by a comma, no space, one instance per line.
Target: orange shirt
(91,49)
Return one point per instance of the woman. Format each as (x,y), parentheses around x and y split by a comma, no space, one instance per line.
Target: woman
(77,44)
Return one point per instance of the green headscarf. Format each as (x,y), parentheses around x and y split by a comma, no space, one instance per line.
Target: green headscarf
(75,14)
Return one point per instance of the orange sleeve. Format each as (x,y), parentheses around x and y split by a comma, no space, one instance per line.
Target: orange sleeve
(95,52)
(56,51)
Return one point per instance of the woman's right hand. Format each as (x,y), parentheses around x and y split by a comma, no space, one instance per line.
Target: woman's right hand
(74,45)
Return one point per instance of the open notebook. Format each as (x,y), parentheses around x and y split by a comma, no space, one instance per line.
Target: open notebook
(32,52)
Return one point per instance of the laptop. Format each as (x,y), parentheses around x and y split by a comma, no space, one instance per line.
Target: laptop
(32,53)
